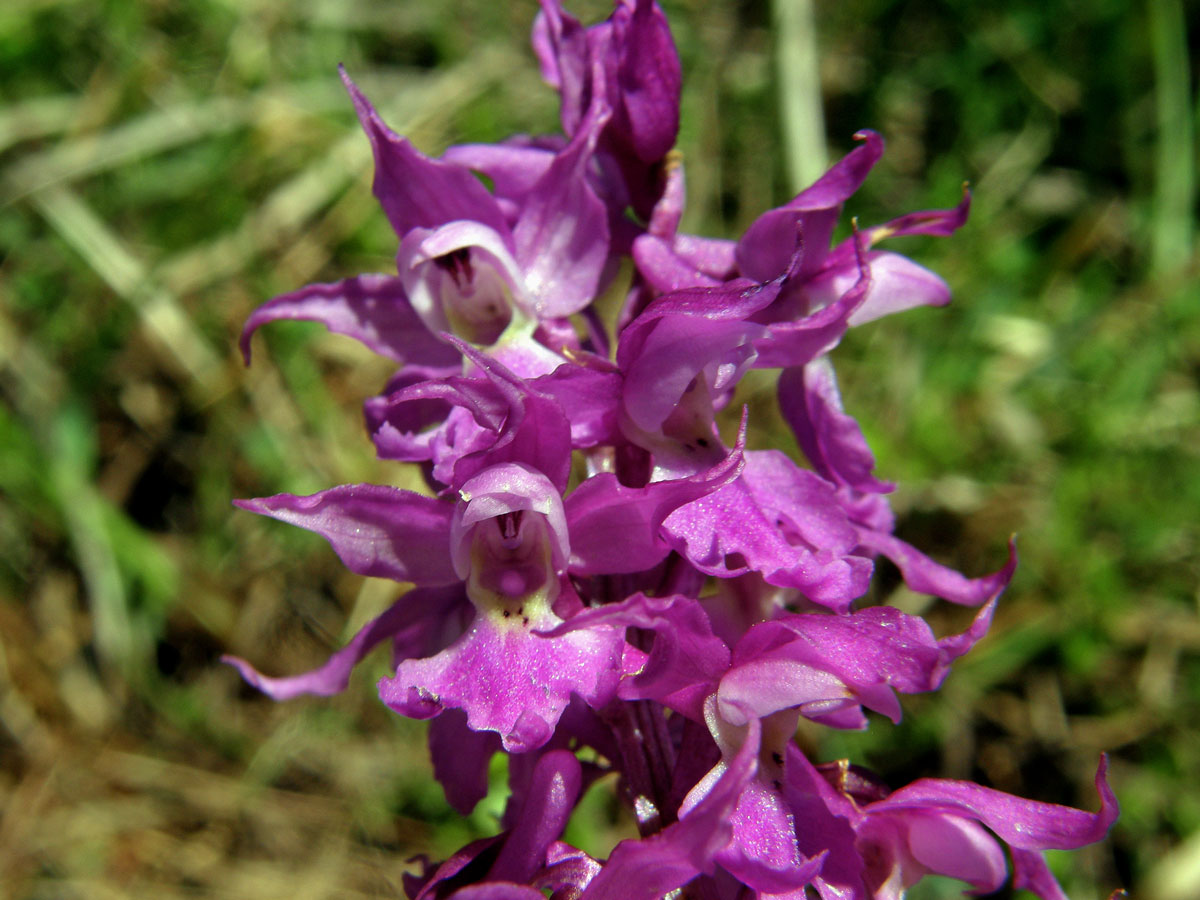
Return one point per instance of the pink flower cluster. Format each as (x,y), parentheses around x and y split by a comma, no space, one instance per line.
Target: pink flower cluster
(595,566)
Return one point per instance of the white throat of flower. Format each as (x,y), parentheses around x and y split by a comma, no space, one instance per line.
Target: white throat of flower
(512,576)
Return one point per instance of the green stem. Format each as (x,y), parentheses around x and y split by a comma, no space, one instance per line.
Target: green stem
(801,118)
(1175,179)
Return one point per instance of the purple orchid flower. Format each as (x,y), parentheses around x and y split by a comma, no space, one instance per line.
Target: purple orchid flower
(825,666)
(822,666)
(505,546)
(482,421)
(882,843)
(828,667)
(508,545)
(463,268)
(794,239)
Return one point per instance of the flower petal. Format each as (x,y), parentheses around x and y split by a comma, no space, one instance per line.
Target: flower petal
(332,677)
(561,234)
(897,284)
(617,529)
(648,80)
(372,309)
(925,576)
(831,439)
(823,819)
(1023,824)
(376,530)
(766,249)
(1031,873)
(508,422)
(665,270)
(762,852)
(508,679)
(827,665)
(779,520)
(460,759)
(592,393)
(649,868)
(415,190)
(549,801)
(514,166)
(686,659)
(959,848)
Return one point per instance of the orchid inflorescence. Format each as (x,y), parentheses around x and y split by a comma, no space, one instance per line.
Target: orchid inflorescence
(601,582)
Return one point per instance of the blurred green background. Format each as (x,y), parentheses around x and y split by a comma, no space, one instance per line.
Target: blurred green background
(166,166)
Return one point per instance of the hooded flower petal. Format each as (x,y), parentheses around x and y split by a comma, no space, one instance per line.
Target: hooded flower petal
(505,493)
(958,848)
(462,278)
